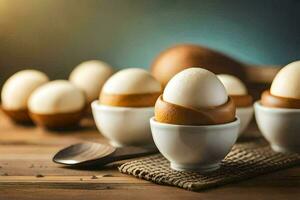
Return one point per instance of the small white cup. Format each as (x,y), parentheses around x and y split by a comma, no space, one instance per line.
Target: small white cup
(245,115)
(194,148)
(124,126)
(280,127)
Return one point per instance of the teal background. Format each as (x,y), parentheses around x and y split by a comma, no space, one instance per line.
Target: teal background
(56,35)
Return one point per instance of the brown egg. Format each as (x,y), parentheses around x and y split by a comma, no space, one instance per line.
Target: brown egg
(182,56)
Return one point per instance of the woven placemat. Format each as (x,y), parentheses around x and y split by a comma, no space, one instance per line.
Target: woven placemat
(245,160)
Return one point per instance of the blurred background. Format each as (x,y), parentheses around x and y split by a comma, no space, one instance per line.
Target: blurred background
(56,35)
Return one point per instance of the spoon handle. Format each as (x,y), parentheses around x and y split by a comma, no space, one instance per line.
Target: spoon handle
(131,152)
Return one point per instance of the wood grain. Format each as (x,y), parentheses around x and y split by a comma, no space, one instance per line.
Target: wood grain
(27,172)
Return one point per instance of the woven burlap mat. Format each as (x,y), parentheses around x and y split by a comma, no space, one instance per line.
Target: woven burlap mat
(245,160)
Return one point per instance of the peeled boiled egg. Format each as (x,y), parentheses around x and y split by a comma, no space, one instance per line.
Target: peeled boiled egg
(233,85)
(195,96)
(90,76)
(56,104)
(133,87)
(196,88)
(16,91)
(287,81)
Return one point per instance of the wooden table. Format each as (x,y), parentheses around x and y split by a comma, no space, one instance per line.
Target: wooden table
(27,172)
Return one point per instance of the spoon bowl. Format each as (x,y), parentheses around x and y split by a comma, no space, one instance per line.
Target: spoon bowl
(89,153)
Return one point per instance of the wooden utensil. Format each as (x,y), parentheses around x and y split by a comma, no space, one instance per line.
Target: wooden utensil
(89,153)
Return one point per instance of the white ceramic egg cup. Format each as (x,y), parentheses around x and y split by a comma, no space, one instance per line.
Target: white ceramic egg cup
(245,114)
(124,126)
(280,127)
(194,148)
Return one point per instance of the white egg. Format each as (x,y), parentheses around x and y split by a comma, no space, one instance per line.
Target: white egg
(17,89)
(287,81)
(56,97)
(196,88)
(90,76)
(233,85)
(131,81)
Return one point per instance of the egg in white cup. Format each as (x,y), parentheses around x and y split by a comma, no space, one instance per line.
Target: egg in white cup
(194,125)
(278,112)
(125,106)
(243,101)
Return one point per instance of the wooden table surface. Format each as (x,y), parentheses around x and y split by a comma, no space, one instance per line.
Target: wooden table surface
(27,172)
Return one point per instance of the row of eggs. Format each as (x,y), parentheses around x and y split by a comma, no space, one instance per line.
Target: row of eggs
(195,123)
(29,95)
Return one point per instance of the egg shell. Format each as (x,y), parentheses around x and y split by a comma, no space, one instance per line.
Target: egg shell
(195,88)
(182,56)
(287,81)
(56,97)
(17,89)
(131,81)
(233,85)
(90,76)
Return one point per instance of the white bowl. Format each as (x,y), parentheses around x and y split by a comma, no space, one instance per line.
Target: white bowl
(194,148)
(245,115)
(280,127)
(124,126)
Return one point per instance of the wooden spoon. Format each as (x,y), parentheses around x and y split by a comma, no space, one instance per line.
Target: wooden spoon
(89,153)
